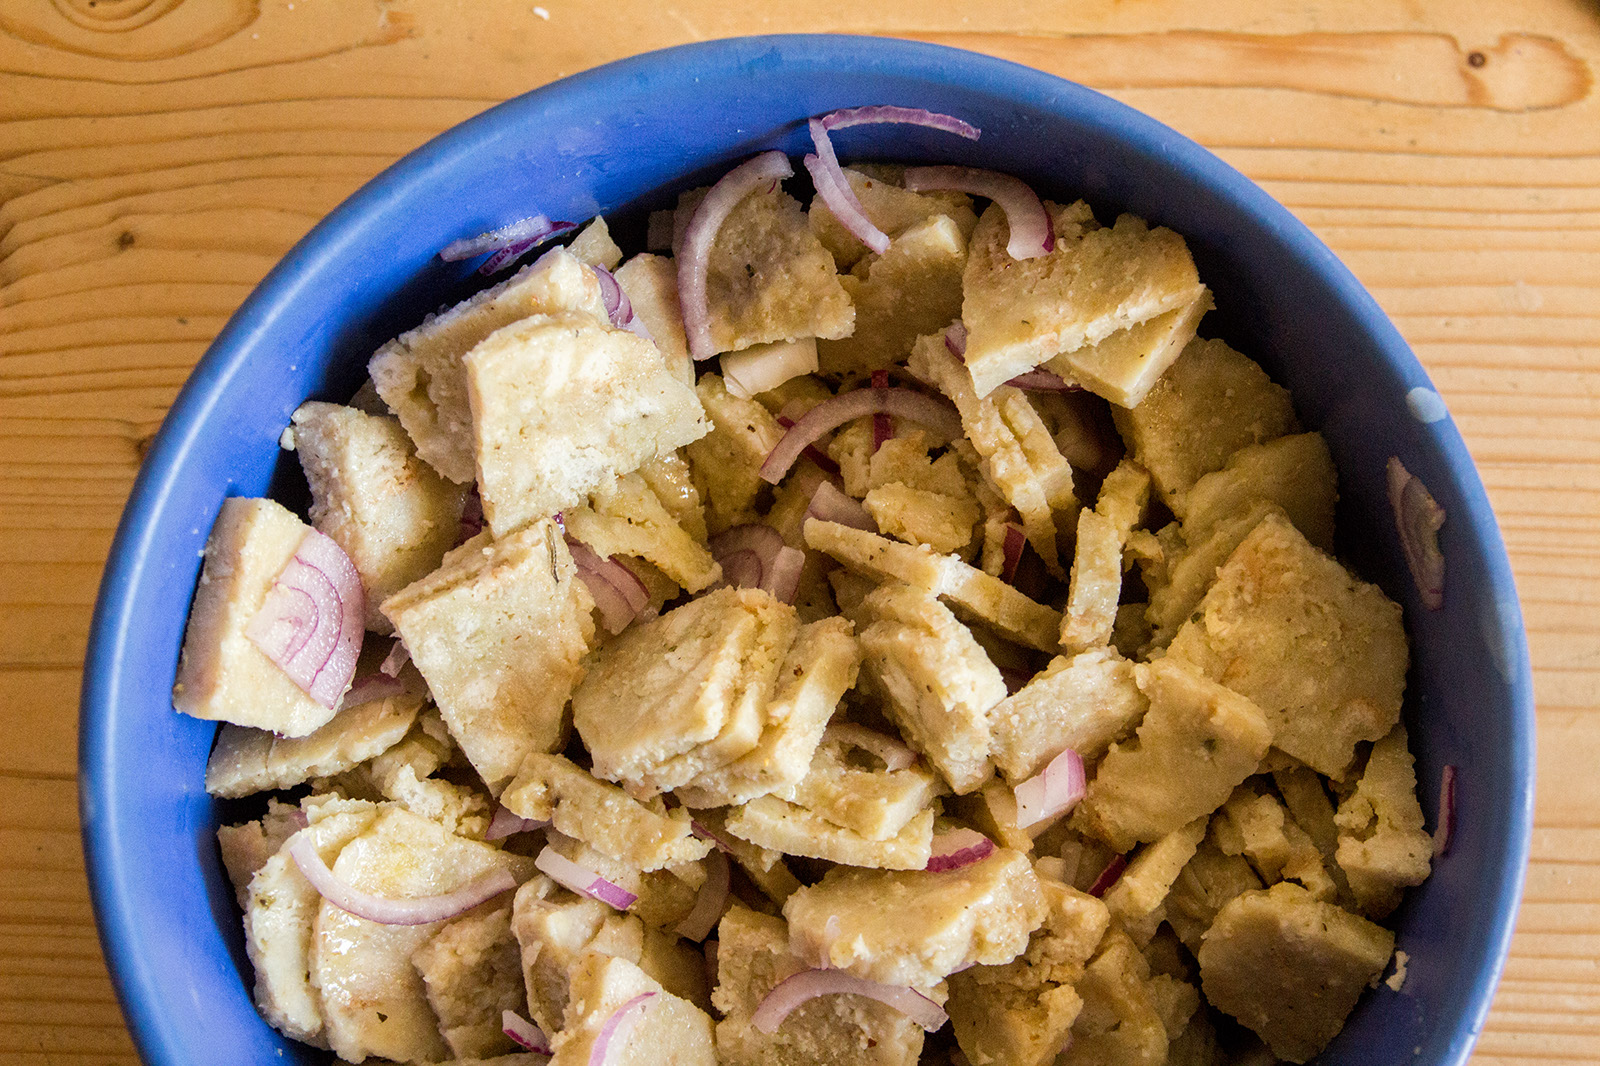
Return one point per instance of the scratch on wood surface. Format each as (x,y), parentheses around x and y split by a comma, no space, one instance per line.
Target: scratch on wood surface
(1521,72)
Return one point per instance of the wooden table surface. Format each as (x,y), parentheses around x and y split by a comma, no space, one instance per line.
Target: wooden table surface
(157,156)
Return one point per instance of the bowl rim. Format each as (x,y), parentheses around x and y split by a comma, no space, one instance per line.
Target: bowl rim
(139,990)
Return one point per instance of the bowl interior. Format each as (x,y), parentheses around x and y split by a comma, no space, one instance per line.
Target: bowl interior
(634,133)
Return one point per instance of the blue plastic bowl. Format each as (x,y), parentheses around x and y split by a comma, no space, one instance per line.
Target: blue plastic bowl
(634,133)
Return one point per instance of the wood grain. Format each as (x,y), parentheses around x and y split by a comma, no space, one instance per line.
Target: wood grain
(157,156)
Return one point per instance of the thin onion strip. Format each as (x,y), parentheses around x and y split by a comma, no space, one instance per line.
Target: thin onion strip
(418,911)
(582,880)
(1032,233)
(1053,791)
(832,413)
(795,991)
(710,902)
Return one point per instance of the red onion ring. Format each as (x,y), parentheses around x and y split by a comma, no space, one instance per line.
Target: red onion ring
(889,113)
(895,755)
(1055,789)
(695,256)
(505,824)
(882,424)
(748,554)
(311,621)
(1042,380)
(506,243)
(794,991)
(1015,541)
(955,339)
(787,418)
(1445,827)
(829,504)
(396,660)
(615,1030)
(835,411)
(959,848)
(582,880)
(783,579)
(419,911)
(1108,876)
(1418,518)
(528,1036)
(1032,233)
(835,190)
(700,830)
(711,900)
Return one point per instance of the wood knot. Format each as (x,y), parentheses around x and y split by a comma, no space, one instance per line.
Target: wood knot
(127,29)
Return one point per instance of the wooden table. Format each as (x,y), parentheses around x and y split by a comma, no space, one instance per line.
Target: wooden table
(157,156)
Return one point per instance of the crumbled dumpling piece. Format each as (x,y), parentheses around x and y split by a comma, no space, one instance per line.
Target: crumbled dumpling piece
(1144,885)
(917,516)
(1210,880)
(1255,825)
(1124,494)
(390,512)
(1212,402)
(247,847)
(671,479)
(650,283)
(770,822)
(1019,455)
(937,682)
(1295,472)
(422,751)
(1323,653)
(972,594)
(1082,701)
(561,404)
(667,1030)
(593,245)
(1307,799)
(1096,584)
(1382,845)
(727,461)
(1124,366)
(472,970)
(420,374)
(820,667)
(890,207)
(686,693)
(1096,281)
(768,278)
(553,789)
(222,675)
(1021,1012)
(625,516)
(843,1030)
(458,809)
(498,631)
(1192,569)
(373,1001)
(1197,742)
(248,760)
(876,803)
(1289,967)
(279,912)
(911,289)
(1120,1024)
(915,927)
(554,929)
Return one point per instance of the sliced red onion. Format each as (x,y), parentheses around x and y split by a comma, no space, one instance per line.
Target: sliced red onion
(1054,789)
(311,621)
(396,660)
(910,116)
(834,412)
(370,688)
(835,190)
(795,991)
(616,590)
(700,830)
(1445,827)
(766,366)
(418,911)
(616,1028)
(1109,875)
(1031,232)
(787,418)
(955,339)
(783,580)
(528,1036)
(505,824)
(618,307)
(711,901)
(582,880)
(1042,380)
(1418,518)
(895,755)
(506,243)
(882,424)
(958,848)
(831,505)
(1015,541)
(695,256)
(748,554)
